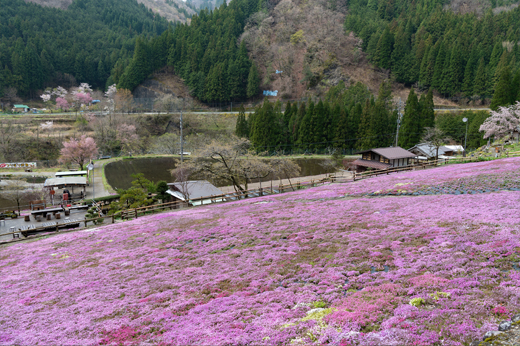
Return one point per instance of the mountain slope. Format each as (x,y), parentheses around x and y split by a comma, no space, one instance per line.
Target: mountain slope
(42,46)
(306,41)
(172,10)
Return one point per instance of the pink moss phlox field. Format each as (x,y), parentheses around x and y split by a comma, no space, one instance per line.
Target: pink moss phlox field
(309,267)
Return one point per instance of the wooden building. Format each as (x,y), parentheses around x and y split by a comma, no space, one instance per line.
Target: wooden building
(383,158)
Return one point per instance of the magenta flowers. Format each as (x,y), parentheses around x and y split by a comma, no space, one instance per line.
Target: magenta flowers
(311,267)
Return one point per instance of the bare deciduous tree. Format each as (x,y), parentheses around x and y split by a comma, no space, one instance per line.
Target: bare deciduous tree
(17,192)
(435,138)
(9,133)
(123,100)
(232,161)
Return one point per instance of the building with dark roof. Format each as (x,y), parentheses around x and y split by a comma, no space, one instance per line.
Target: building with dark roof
(426,151)
(383,158)
(194,191)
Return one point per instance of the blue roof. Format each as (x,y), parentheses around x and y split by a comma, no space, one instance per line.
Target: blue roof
(95,101)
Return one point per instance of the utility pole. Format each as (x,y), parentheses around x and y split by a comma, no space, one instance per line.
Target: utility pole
(399,118)
(182,146)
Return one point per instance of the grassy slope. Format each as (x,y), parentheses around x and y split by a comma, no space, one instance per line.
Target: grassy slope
(252,271)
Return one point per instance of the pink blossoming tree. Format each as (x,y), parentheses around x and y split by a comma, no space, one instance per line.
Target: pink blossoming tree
(62,103)
(501,122)
(79,151)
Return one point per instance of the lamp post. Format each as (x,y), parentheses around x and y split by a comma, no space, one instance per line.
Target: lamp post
(90,167)
(465,120)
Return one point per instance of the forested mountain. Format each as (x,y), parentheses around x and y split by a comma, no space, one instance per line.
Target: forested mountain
(459,55)
(205,54)
(43,46)
(172,10)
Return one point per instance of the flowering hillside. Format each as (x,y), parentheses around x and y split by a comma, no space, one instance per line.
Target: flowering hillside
(314,266)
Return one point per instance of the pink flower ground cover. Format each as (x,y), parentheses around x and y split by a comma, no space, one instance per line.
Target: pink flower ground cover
(310,267)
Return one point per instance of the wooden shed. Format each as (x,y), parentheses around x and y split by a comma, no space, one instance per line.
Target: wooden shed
(383,158)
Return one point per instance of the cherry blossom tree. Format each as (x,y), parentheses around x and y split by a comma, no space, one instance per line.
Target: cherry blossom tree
(78,151)
(58,93)
(83,98)
(502,121)
(127,135)
(62,103)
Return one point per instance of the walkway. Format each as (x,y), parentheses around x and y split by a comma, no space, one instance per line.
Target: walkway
(253,186)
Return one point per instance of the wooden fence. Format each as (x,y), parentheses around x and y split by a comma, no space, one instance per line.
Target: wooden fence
(421,165)
(227,197)
(233,196)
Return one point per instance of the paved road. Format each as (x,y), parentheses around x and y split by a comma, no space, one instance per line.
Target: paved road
(98,189)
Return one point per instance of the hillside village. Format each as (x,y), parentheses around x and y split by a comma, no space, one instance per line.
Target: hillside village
(273,172)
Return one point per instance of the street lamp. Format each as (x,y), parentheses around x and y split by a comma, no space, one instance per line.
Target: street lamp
(465,120)
(90,167)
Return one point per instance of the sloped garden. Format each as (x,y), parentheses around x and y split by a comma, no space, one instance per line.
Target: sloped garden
(329,265)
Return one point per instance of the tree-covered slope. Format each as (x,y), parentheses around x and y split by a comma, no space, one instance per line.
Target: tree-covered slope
(425,43)
(42,46)
(205,54)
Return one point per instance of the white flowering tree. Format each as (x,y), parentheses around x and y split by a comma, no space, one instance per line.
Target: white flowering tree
(110,94)
(58,95)
(501,122)
(81,96)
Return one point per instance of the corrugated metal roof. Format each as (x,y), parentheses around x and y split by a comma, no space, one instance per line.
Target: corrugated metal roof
(429,151)
(68,181)
(195,189)
(391,153)
(371,164)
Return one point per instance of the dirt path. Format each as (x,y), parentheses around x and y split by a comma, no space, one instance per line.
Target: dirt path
(252,186)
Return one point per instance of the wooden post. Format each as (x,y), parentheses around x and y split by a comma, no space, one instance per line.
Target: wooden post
(135,210)
(113,219)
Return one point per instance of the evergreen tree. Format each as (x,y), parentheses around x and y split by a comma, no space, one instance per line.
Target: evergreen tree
(427,110)
(411,131)
(242,129)
(366,136)
(253,81)
(265,129)
(480,87)
(305,131)
(383,54)
(341,134)
(503,95)
(294,123)
(437,79)
(455,71)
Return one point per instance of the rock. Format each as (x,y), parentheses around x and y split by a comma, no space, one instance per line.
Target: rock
(492,333)
(474,343)
(313,311)
(505,325)
(515,318)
